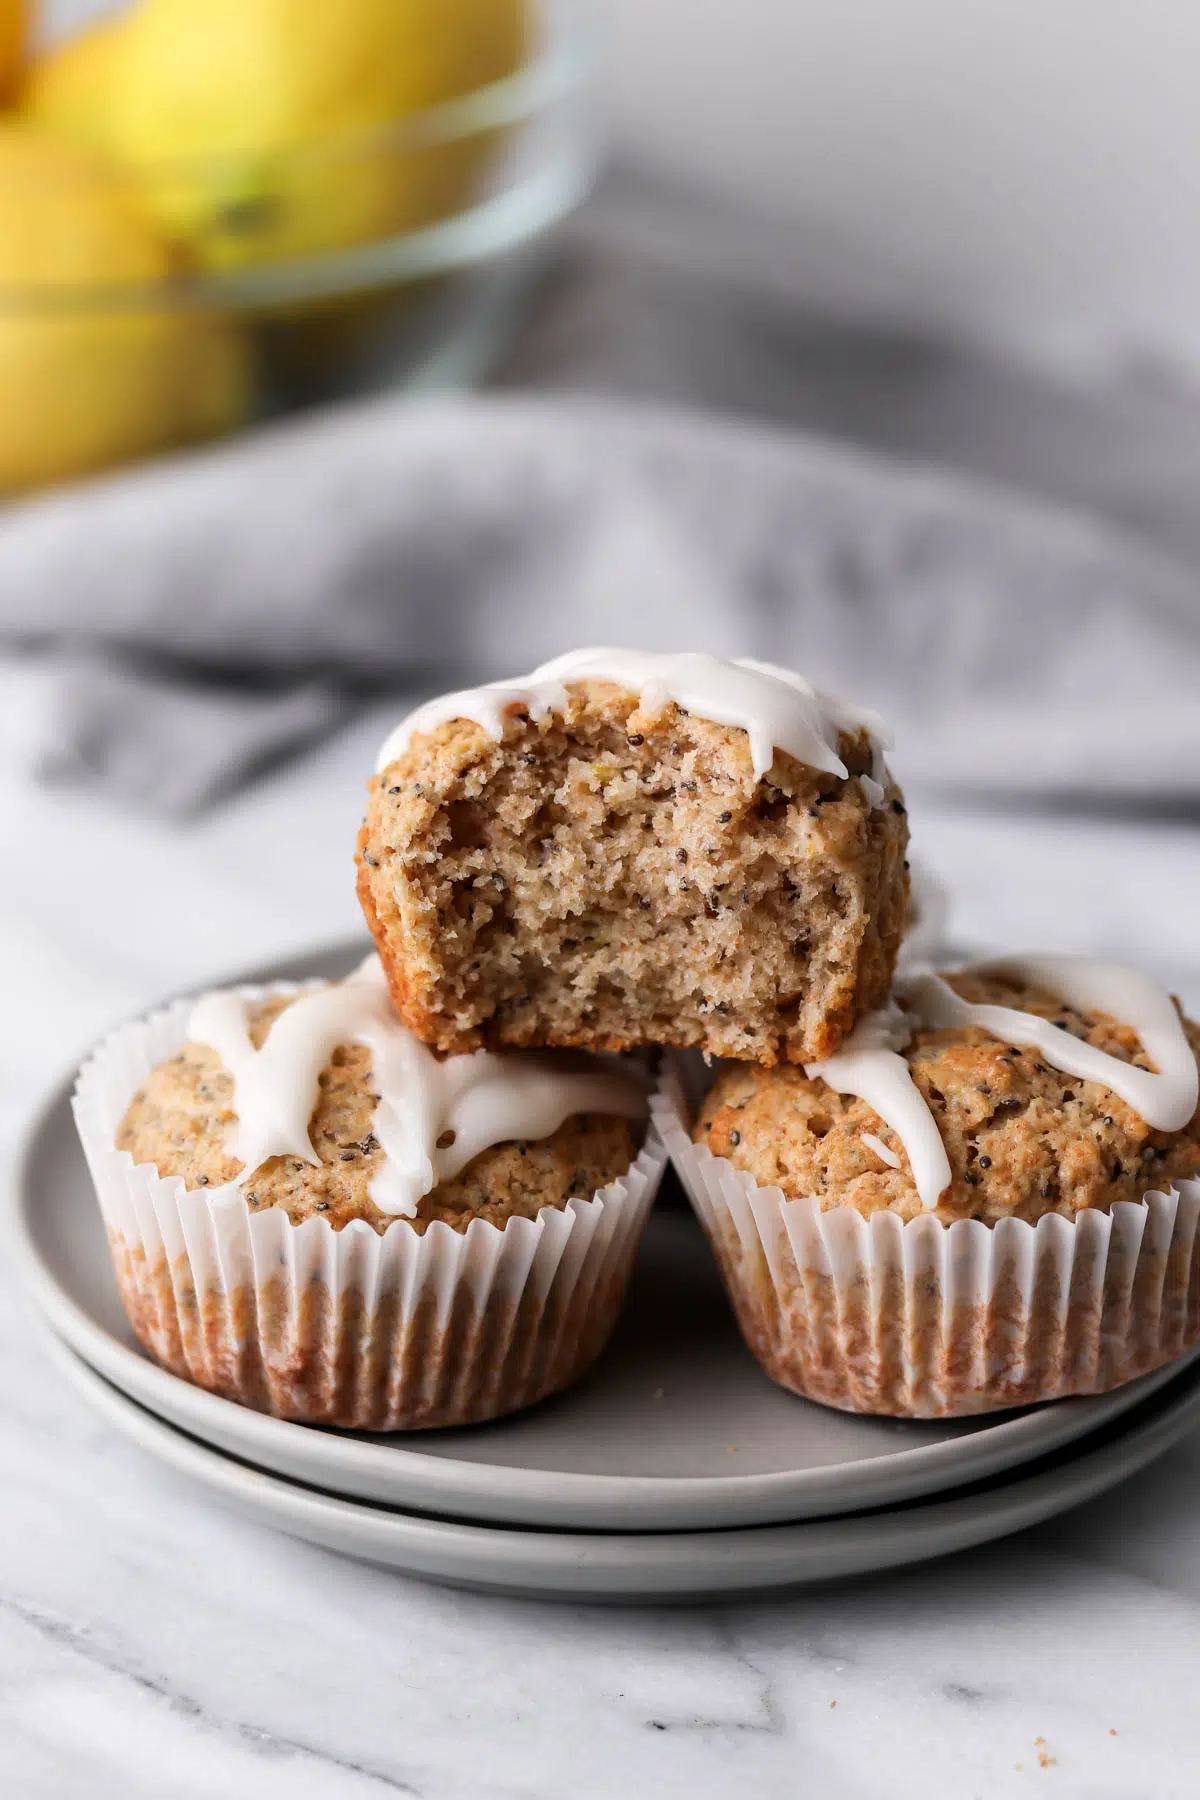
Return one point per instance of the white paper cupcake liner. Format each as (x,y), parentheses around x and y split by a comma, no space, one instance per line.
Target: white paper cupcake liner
(383,1332)
(927,1320)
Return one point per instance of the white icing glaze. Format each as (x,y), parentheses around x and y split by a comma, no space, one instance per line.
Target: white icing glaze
(1164,1096)
(776,708)
(871,1067)
(482,1099)
(883,1151)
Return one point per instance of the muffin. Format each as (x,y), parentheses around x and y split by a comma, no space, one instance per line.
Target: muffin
(1022,1224)
(311,1214)
(630,849)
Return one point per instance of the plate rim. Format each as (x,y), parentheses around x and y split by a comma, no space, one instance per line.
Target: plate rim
(506,1492)
(625,1565)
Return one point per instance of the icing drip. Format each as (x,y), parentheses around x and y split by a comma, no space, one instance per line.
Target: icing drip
(871,1067)
(1165,1096)
(881,1149)
(433,1115)
(777,709)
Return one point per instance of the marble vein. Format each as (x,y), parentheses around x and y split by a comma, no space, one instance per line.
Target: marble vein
(80,1641)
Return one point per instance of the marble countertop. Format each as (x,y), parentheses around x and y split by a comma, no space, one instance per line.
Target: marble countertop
(153,1645)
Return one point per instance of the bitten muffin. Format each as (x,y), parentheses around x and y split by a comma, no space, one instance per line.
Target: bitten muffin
(609,875)
(1023,1138)
(1062,1257)
(304,1288)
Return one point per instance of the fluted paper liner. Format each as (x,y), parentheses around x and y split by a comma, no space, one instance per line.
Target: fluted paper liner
(928,1320)
(380,1332)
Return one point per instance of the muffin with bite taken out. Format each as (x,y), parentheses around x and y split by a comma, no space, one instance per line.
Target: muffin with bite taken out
(626,849)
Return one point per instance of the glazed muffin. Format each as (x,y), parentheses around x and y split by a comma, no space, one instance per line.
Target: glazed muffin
(842,1252)
(1023,1138)
(591,858)
(311,1214)
(180,1121)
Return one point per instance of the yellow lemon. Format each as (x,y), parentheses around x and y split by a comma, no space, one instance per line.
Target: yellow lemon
(263,129)
(14,35)
(86,378)
(68,90)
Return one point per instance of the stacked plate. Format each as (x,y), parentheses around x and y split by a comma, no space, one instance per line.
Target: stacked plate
(675,1471)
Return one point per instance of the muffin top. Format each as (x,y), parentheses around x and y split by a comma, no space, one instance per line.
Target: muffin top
(776,708)
(1021,1137)
(486,1137)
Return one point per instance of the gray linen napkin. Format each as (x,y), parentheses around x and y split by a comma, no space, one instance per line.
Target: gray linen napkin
(202,616)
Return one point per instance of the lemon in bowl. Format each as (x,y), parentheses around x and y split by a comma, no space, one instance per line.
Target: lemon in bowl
(96,365)
(343,195)
(272,130)
(67,90)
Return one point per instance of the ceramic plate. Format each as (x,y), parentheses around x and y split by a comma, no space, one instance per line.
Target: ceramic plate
(676,1429)
(676,1565)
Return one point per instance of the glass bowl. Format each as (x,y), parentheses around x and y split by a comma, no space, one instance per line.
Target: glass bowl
(435,227)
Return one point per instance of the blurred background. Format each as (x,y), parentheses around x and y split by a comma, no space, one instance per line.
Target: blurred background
(351,352)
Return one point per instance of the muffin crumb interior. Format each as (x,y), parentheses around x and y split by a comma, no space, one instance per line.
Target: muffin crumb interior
(617,877)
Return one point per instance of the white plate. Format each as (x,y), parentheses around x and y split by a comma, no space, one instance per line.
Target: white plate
(676,1429)
(675,1565)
